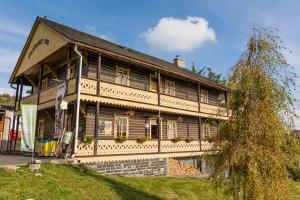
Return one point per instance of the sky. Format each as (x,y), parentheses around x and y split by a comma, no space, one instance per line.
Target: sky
(207,33)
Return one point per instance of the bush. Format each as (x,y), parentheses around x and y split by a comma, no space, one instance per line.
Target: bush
(121,139)
(189,139)
(175,140)
(86,140)
(294,172)
(142,139)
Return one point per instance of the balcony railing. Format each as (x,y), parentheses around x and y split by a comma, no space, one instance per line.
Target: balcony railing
(215,110)
(48,94)
(126,93)
(111,147)
(173,102)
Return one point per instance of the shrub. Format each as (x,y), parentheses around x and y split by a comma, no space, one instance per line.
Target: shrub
(189,139)
(175,140)
(121,139)
(86,140)
(142,139)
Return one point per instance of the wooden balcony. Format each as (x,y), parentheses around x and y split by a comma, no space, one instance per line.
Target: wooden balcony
(177,103)
(125,95)
(111,147)
(143,98)
(48,94)
(181,146)
(211,109)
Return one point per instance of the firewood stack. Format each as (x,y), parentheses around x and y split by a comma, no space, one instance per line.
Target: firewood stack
(176,168)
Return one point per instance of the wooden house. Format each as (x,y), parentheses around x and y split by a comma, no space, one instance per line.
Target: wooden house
(162,109)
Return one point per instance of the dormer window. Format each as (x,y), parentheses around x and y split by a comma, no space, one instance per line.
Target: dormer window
(122,75)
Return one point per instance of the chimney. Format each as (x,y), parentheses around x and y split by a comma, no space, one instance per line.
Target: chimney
(179,62)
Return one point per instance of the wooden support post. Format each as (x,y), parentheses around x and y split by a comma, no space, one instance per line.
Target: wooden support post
(199,118)
(200,130)
(159,118)
(97,107)
(96,128)
(19,106)
(98,74)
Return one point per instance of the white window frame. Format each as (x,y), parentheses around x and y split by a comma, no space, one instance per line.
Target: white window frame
(205,131)
(169,89)
(171,133)
(123,81)
(204,96)
(123,117)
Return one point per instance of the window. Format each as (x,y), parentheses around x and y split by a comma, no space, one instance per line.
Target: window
(72,71)
(44,83)
(104,127)
(170,87)
(171,129)
(121,126)
(122,75)
(153,82)
(204,96)
(205,131)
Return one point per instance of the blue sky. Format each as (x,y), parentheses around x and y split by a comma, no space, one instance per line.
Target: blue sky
(224,27)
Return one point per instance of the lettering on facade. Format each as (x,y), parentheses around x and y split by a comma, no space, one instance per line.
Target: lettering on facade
(38,43)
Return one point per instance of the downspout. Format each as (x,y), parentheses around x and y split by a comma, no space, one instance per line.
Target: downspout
(78,98)
(11,85)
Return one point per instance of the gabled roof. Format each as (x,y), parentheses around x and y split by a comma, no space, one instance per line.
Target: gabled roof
(76,36)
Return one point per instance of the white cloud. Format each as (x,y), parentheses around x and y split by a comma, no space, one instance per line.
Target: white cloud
(9,91)
(9,59)
(172,34)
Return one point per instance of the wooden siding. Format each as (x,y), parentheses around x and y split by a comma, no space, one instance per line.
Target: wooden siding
(188,127)
(140,78)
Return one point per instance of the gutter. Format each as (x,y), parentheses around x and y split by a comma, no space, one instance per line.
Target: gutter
(77,51)
(11,85)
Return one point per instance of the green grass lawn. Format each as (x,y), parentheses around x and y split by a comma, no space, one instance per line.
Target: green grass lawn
(75,182)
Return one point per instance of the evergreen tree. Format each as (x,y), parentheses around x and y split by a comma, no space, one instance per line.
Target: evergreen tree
(256,144)
(193,68)
(210,74)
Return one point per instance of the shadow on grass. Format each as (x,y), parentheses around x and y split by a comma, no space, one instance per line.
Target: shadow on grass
(124,191)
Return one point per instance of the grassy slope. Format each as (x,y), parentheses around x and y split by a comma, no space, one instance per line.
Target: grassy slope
(74,182)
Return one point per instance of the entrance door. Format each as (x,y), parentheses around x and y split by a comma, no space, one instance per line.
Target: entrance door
(154,129)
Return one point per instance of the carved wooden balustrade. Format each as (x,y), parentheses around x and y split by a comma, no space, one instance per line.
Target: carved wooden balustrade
(205,146)
(127,93)
(181,146)
(111,147)
(88,86)
(178,103)
(210,109)
(85,149)
(107,147)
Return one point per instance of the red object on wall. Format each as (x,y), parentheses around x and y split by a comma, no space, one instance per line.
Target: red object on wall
(13,134)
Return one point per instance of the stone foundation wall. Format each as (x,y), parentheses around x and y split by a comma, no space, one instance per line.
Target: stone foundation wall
(141,167)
